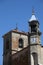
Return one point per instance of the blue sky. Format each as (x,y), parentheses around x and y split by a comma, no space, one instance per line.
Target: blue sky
(18,11)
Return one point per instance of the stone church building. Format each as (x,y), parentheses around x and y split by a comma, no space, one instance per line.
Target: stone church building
(23,48)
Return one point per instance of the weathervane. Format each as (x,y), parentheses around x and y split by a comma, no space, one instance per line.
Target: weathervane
(16,26)
(33,11)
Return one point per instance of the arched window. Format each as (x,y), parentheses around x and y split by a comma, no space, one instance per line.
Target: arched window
(20,43)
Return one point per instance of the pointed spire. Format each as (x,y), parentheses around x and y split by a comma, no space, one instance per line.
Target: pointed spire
(33,17)
(33,11)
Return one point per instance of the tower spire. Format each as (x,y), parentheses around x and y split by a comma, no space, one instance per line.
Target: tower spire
(33,17)
(33,11)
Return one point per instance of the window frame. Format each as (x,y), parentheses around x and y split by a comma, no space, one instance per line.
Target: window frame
(20,43)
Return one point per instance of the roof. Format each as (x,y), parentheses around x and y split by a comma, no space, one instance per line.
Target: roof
(24,49)
(16,31)
(21,57)
(33,17)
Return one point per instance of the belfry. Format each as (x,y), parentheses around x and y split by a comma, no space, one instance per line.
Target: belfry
(35,42)
(23,48)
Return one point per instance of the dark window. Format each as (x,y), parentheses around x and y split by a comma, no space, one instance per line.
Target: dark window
(20,43)
(7,44)
(33,28)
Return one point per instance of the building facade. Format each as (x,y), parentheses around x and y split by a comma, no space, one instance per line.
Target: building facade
(20,48)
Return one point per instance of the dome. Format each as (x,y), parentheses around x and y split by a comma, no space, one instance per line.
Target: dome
(32,18)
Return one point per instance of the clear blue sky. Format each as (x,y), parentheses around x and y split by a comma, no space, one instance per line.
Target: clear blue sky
(18,11)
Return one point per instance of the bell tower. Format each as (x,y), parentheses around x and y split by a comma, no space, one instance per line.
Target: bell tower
(35,32)
(35,42)
(7,49)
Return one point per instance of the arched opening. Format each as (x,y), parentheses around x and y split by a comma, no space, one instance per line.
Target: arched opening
(20,43)
(34,58)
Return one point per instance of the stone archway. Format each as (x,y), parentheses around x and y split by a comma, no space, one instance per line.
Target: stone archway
(34,58)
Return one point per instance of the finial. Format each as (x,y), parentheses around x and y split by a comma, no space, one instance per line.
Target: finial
(33,11)
(16,26)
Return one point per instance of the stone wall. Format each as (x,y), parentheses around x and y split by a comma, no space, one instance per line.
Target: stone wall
(42,55)
(15,41)
(20,58)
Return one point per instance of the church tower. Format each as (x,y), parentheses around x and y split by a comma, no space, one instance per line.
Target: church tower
(22,47)
(13,42)
(35,42)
